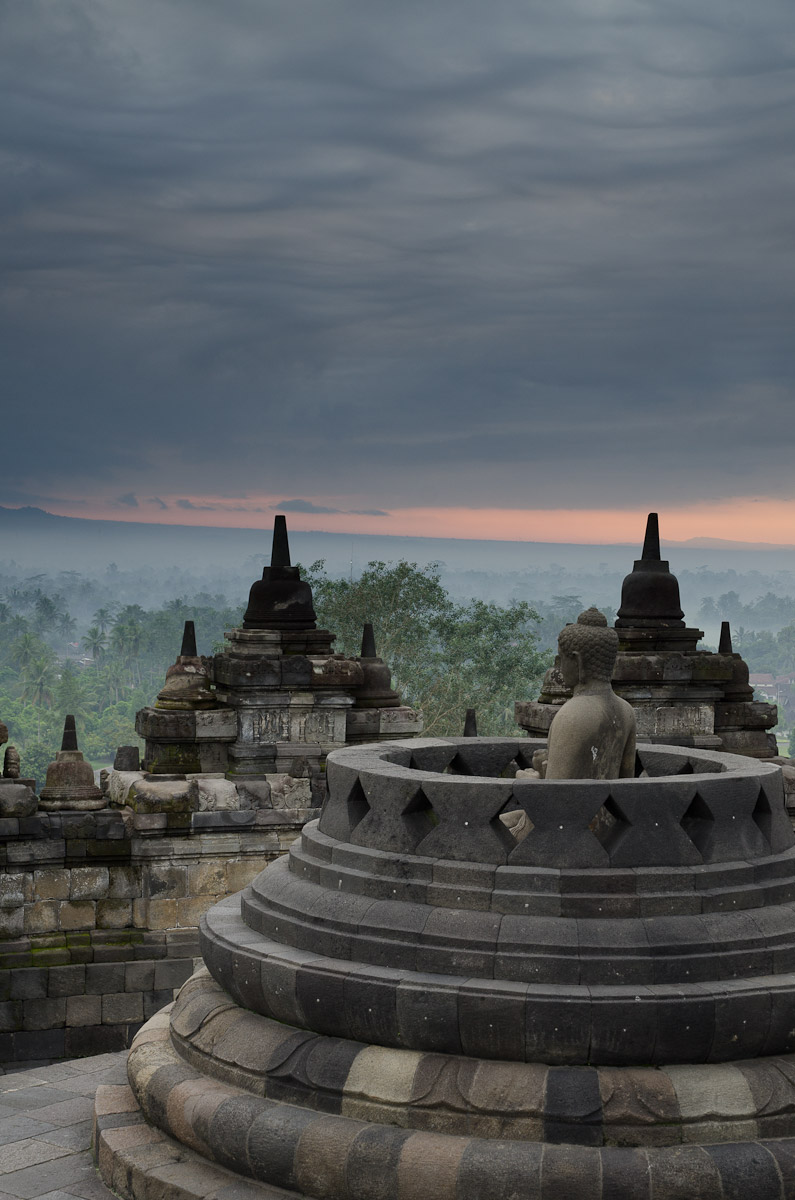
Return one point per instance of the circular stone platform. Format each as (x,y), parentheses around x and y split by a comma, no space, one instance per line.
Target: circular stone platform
(415,1003)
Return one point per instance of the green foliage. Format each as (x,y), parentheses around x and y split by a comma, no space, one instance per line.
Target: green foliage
(445,657)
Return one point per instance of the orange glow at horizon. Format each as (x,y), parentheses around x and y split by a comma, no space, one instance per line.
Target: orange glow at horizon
(747,519)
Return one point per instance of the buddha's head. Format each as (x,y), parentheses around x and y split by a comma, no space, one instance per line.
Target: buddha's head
(588,649)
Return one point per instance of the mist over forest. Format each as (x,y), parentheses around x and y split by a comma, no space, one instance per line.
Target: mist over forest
(91,614)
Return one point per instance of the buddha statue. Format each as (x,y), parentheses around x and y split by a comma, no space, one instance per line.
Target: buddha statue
(593,734)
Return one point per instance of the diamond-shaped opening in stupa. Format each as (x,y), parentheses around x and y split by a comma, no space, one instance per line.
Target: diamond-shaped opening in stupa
(419,816)
(698,822)
(607,822)
(763,816)
(516,821)
(357,805)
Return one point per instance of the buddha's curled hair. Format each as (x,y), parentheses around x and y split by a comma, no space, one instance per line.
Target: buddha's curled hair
(594,641)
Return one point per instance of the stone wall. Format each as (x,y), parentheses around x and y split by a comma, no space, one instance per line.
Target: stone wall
(99,915)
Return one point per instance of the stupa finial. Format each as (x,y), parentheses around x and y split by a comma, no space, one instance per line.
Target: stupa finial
(280,552)
(651,542)
(471,723)
(188,641)
(368,641)
(69,739)
(725,644)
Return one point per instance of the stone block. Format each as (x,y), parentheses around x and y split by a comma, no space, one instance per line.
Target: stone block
(139,976)
(11,1016)
(287,792)
(42,917)
(51,883)
(206,878)
(9,827)
(48,1013)
(104,977)
(17,800)
(39,1043)
(172,796)
(124,882)
(165,880)
(172,972)
(28,983)
(255,794)
(14,889)
(217,795)
(118,1007)
(12,923)
(154,1001)
(67,981)
(161,914)
(149,823)
(44,851)
(88,883)
(120,784)
(192,908)
(241,872)
(114,914)
(79,914)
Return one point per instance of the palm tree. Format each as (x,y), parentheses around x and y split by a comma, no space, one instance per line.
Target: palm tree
(25,649)
(94,641)
(39,679)
(46,613)
(66,626)
(103,618)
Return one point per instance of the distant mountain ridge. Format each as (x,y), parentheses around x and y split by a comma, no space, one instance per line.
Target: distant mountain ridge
(32,536)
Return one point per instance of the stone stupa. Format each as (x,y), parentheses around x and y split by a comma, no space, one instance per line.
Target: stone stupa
(681,695)
(414,1004)
(70,779)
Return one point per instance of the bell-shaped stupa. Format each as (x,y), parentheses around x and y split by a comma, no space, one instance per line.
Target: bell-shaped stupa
(70,779)
(378,713)
(187,683)
(281,599)
(650,593)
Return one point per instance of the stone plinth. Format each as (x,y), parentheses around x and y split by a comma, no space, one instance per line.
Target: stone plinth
(187,740)
(416,1003)
(290,694)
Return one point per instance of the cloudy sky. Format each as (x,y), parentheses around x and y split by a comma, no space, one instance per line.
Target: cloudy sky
(504,268)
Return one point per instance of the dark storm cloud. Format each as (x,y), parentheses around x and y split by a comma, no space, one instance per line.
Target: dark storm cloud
(191,507)
(436,252)
(303,506)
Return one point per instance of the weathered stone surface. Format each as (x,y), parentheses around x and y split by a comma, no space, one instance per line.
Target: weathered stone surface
(174,796)
(289,793)
(16,800)
(216,795)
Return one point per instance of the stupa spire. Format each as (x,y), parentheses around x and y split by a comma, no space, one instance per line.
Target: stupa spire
(280,550)
(725,644)
(651,542)
(188,641)
(368,641)
(69,739)
(471,723)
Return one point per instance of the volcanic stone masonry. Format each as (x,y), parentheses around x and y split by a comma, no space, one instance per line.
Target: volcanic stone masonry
(414,1005)
(101,890)
(681,695)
